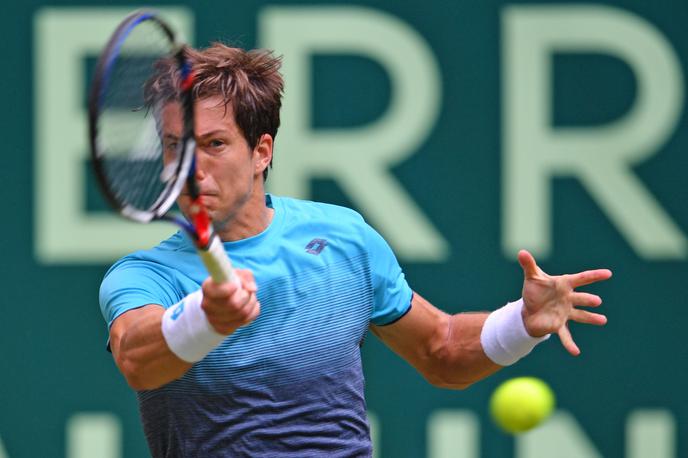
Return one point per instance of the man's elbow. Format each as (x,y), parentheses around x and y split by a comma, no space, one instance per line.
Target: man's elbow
(441,370)
(443,378)
(135,375)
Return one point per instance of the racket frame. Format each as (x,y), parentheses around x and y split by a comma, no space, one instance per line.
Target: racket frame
(200,229)
(100,82)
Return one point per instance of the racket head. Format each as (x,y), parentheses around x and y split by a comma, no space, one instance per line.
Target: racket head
(142,152)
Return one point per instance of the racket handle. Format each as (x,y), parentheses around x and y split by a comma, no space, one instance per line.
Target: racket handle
(217,262)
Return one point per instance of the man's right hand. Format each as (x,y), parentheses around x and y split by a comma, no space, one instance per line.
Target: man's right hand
(228,306)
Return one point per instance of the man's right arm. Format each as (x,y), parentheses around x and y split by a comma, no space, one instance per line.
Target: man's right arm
(140,349)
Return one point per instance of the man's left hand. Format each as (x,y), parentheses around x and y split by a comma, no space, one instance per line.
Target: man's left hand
(551,301)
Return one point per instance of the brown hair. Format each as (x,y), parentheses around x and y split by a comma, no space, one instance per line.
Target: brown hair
(249,80)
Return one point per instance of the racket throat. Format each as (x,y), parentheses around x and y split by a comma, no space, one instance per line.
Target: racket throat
(201,221)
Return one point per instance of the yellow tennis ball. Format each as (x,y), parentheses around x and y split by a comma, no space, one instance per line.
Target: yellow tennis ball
(521,403)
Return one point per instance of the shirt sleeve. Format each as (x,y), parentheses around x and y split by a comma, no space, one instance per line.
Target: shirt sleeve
(132,284)
(392,294)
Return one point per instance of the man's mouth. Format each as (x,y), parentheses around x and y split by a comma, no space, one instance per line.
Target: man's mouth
(201,194)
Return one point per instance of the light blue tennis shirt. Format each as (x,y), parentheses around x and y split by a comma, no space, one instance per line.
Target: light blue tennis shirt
(290,383)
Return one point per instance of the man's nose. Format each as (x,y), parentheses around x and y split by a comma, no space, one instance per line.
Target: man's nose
(201,165)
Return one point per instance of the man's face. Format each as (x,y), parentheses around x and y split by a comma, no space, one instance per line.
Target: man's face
(225,165)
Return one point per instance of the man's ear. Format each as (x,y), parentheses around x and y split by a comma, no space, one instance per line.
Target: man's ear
(262,153)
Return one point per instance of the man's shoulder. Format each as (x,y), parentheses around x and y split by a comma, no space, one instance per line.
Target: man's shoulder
(164,254)
(305,219)
(310,209)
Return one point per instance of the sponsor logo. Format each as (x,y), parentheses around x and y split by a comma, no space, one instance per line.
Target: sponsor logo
(178,310)
(316,246)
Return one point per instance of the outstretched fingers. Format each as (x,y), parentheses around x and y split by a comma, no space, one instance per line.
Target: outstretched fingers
(527,262)
(585,317)
(585,299)
(589,276)
(567,341)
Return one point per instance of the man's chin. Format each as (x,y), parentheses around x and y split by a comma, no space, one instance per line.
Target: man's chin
(185,209)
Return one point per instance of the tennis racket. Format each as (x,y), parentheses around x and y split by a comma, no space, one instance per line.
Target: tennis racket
(142,133)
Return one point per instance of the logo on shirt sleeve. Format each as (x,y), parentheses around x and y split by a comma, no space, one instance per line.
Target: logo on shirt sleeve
(316,246)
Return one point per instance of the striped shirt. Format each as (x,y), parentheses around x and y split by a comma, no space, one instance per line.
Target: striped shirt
(289,384)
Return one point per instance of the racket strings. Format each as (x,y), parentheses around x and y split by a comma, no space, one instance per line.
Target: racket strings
(131,128)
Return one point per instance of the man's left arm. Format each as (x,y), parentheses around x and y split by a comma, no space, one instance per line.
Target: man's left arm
(444,348)
(451,351)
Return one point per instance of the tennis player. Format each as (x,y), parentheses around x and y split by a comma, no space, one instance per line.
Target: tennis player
(273,368)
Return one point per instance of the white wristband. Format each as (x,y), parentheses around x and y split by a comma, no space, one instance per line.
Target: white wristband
(504,337)
(187,331)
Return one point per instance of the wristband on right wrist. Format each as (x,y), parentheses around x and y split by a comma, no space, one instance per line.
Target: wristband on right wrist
(187,331)
(504,337)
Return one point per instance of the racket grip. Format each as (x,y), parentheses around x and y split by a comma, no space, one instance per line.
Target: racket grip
(217,262)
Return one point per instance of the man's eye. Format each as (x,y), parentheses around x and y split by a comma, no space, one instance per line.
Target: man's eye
(170,145)
(216,143)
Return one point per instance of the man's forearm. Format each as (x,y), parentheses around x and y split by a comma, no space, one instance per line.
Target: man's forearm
(463,361)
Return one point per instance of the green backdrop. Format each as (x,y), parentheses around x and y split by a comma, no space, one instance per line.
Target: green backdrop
(461,130)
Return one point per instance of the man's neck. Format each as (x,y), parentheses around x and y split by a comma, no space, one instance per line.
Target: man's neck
(252,219)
